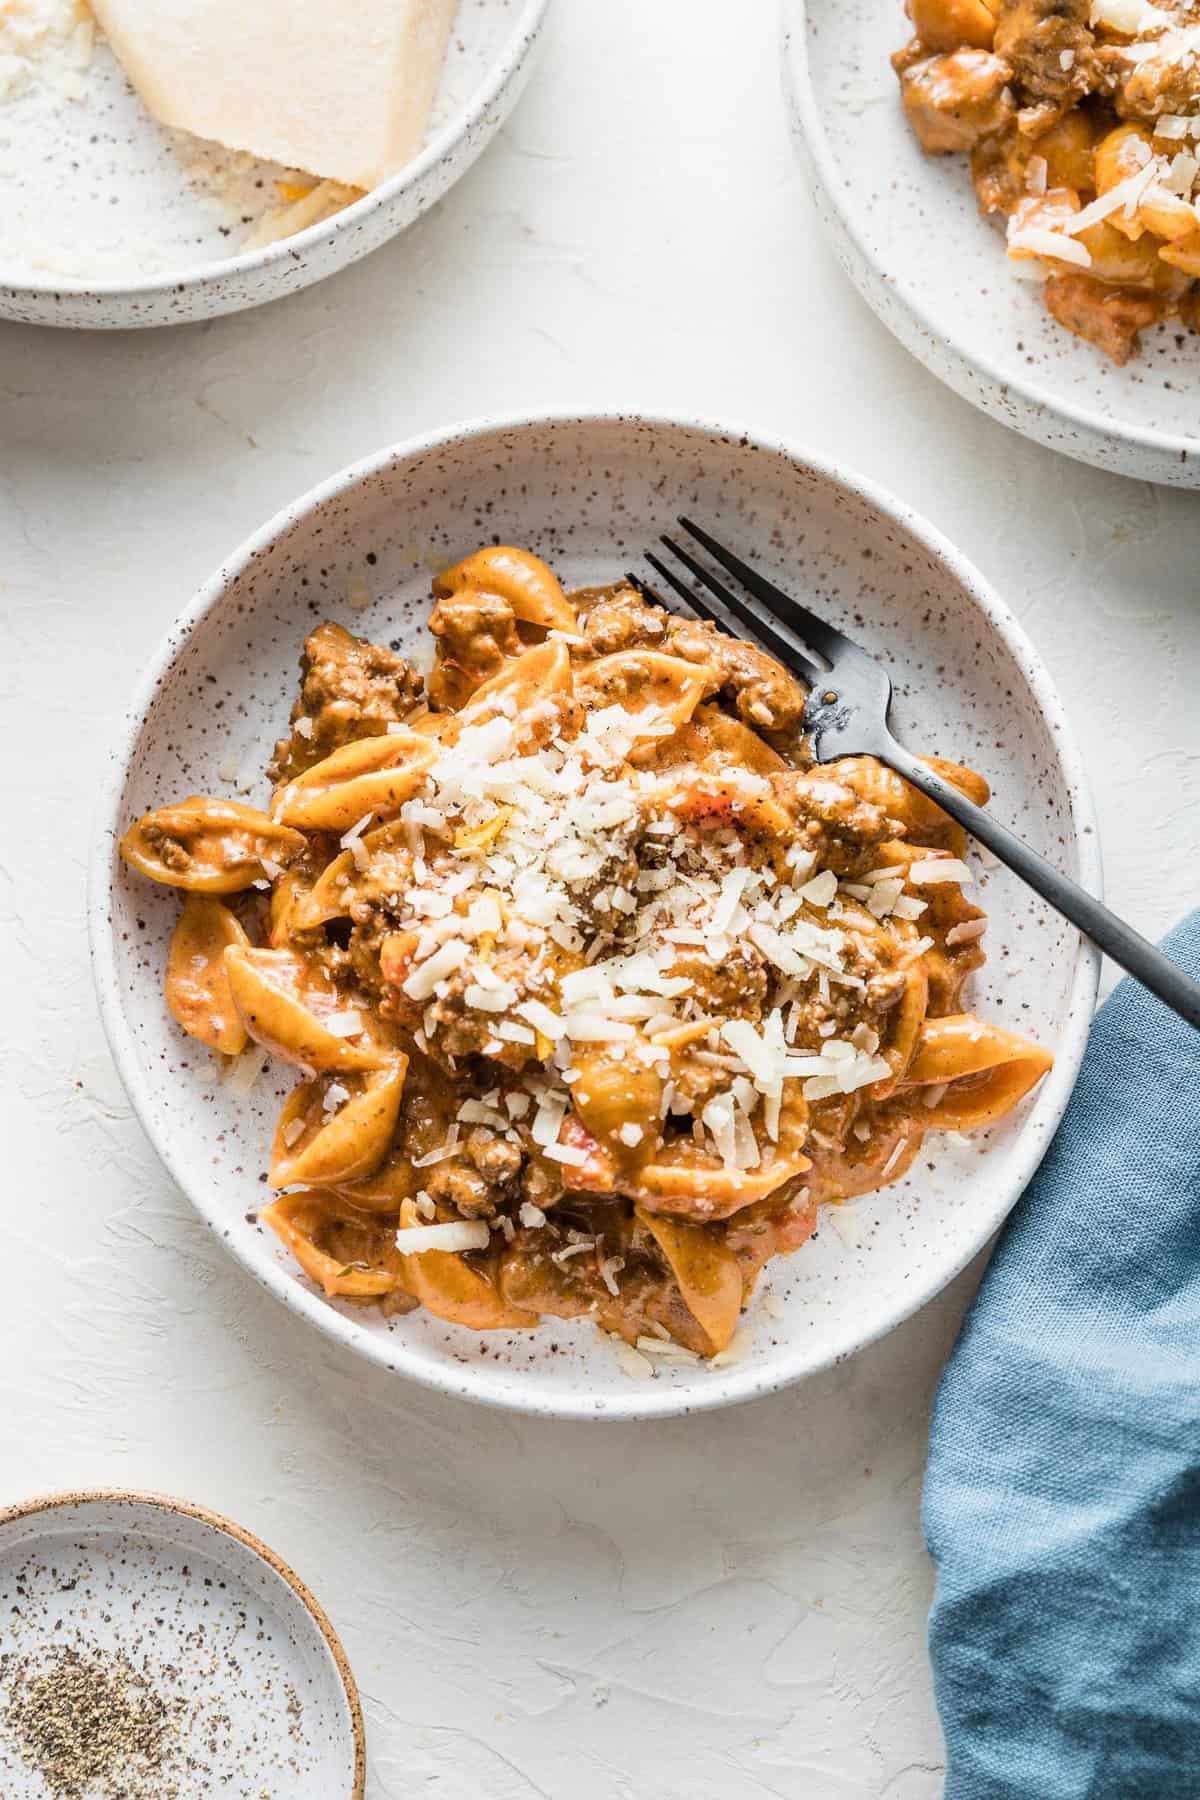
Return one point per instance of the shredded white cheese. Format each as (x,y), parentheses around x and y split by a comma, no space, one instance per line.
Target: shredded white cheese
(736,1351)
(1132,18)
(47,43)
(1041,241)
(425,977)
(458,1234)
(939,869)
(631,1361)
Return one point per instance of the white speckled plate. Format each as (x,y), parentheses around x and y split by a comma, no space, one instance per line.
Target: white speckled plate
(906,229)
(110,220)
(216,1646)
(588,494)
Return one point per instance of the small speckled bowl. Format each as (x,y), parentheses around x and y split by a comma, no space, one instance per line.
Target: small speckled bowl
(908,233)
(111,221)
(589,494)
(239,1660)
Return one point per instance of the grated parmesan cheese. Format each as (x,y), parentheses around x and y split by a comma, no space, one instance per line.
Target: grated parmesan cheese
(45,43)
(458,1234)
(736,1351)
(425,977)
(847,1225)
(939,869)
(631,1361)
(1040,241)
(667,1349)
(1132,18)
(247,1068)
(343,1024)
(569,1154)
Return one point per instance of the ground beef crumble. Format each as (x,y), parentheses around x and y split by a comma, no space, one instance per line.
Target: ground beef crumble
(349,689)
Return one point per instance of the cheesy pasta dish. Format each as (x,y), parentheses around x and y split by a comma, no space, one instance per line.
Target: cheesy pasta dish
(1081,119)
(595,984)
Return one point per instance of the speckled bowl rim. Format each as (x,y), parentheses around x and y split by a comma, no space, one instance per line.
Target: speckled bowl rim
(797,76)
(219,1524)
(526,31)
(479,1382)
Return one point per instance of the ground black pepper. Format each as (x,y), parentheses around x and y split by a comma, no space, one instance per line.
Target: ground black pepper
(113,1688)
(88,1723)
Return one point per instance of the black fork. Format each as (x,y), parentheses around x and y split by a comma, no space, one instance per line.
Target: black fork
(847,714)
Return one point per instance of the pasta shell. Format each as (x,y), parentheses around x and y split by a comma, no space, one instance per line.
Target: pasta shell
(729,741)
(904,1028)
(543,673)
(708,1273)
(686,1181)
(297,1220)
(282,1003)
(714,799)
(197,986)
(288,898)
(953,24)
(371,776)
(926,823)
(331,895)
(610,1094)
(314,1147)
(647,679)
(209,846)
(342,882)
(1184,254)
(386,1189)
(983,1070)
(451,1289)
(435,725)
(430,1102)
(843,1171)
(529,585)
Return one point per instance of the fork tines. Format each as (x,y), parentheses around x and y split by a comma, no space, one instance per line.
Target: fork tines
(818,637)
(787,651)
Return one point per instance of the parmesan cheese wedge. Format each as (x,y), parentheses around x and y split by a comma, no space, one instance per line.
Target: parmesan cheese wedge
(344,92)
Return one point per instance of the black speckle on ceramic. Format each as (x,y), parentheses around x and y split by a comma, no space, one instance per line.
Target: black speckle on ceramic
(111,222)
(908,233)
(589,495)
(247,1674)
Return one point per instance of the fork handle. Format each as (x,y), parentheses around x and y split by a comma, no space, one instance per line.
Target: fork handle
(1118,940)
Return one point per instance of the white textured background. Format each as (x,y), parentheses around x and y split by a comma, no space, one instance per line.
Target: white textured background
(729,1607)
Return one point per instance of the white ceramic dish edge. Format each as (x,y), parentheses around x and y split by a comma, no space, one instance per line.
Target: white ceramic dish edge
(1132,450)
(238,282)
(739,1382)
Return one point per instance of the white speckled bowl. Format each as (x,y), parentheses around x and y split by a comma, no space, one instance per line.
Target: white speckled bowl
(907,231)
(111,221)
(232,1643)
(589,493)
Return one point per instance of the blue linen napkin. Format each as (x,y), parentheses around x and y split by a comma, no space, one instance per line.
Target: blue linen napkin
(1062,1498)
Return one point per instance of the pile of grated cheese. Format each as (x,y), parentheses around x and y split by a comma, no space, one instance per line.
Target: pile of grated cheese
(563,846)
(47,42)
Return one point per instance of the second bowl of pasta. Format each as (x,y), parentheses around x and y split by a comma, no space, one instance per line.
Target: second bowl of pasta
(597,1054)
(943,138)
